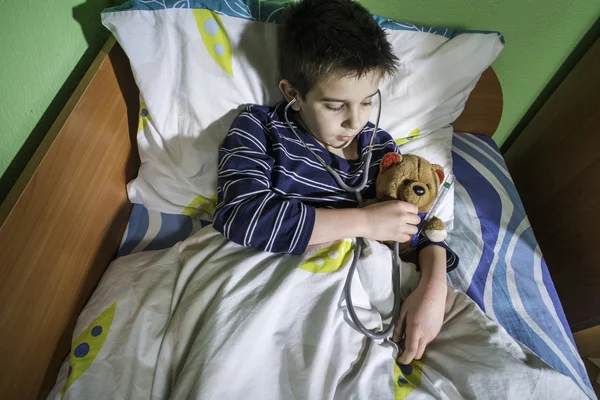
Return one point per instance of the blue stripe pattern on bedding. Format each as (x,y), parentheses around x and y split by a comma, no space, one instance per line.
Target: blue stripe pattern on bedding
(502,268)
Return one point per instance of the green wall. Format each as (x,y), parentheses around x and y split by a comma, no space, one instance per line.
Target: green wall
(539,35)
(46,48)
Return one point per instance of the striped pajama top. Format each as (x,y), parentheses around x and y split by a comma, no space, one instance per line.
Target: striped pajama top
(269,184)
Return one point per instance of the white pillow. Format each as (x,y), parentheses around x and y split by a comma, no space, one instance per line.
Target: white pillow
(196,68)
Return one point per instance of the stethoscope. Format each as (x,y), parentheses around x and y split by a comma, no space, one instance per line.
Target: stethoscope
(386,332)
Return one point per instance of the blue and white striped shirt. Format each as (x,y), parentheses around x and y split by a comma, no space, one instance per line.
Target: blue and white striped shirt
(270,184)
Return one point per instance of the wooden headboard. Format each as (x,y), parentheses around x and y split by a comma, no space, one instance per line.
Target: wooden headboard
(62,223)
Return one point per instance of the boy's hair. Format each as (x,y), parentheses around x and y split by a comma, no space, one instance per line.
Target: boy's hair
(331,38)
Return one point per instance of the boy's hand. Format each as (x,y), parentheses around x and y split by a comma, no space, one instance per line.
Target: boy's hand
(421,319)
(391,220)
(422,314)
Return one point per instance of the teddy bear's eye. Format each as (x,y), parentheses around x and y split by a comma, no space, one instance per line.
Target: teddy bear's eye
(428,186)
(406,181)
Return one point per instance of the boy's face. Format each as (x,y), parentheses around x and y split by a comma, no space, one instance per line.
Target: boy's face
(336,109)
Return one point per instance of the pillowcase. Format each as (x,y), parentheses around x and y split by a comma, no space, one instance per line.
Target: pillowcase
(197,63)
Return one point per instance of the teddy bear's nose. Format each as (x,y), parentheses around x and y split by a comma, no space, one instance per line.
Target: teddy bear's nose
(419,190)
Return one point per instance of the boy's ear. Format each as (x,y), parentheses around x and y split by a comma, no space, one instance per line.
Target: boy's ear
(288,92)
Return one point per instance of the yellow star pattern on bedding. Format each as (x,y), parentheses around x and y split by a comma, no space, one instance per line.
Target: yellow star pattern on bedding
(412,135)
(201,205)
(330,258)
(407,378)
(215,38)
(87,346)
(144,117)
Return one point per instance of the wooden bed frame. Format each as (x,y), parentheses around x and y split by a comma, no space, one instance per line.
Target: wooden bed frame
(62,223)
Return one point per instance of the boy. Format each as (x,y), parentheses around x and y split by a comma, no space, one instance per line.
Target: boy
(275,196)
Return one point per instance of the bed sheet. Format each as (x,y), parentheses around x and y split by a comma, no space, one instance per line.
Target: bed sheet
(502,268)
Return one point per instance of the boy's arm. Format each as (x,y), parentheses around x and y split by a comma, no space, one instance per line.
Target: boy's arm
(250,212)
(333,225)
(432,260)
(390,220)
(422,314)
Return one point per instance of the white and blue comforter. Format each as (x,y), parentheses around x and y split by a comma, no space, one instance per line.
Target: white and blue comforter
(502,268)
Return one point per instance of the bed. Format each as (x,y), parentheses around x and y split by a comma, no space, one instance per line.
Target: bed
(492,224)
(67,218)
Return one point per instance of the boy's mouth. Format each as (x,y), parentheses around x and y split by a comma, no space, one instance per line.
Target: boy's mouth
(345,138)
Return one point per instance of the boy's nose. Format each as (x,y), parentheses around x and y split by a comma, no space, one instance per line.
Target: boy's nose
(353,124)
(353,120)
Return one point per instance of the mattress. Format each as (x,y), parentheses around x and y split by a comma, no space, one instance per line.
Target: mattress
(502,268)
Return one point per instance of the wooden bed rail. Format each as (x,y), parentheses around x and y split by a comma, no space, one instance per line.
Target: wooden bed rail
(62,223)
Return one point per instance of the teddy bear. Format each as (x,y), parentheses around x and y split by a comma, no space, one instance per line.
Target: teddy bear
(412,179)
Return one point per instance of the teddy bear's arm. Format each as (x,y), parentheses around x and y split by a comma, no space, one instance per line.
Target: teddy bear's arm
(435,230)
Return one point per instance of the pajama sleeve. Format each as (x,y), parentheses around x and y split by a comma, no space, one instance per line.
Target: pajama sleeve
(451,257)
(249,211)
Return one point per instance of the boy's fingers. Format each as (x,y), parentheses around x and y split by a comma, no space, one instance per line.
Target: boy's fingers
(407,357)
(422,345)
(412,346)
(411,219)
(409,207)
(402,238)
(403,207)
(397,335)
(399,328)
(412,229)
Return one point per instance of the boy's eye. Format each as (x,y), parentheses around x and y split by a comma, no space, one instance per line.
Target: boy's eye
(334,108)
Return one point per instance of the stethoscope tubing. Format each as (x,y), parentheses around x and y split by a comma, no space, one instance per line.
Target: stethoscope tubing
(387,331)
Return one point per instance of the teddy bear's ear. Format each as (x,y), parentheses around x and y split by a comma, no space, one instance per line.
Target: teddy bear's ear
(439,171)
(388,160)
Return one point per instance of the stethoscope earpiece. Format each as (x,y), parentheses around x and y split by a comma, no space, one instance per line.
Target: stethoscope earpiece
(294,104)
